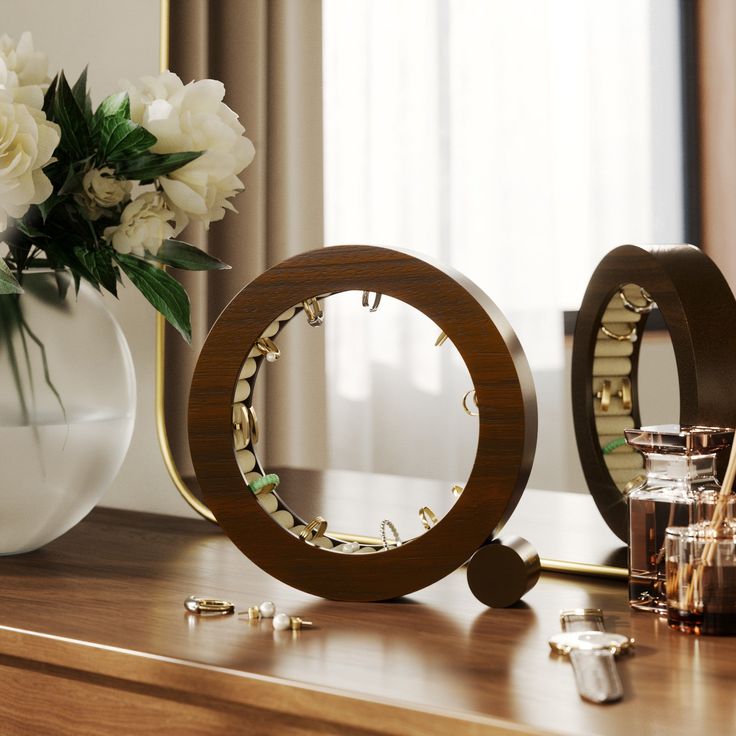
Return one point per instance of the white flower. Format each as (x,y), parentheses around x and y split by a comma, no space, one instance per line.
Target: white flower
(23,70)
(193,117)
(101,191)
(27,143)
(144,225)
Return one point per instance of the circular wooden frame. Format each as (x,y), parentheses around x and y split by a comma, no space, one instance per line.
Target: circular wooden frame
(700,312)
(506,437)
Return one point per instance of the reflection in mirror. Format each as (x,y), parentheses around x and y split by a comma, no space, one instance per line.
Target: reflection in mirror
(382,519)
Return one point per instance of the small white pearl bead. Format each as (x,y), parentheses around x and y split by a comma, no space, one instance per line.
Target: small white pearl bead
(248,369)
(269,503)
(272,357)
(284,518)
(281,622)
(242,390)
(267,609)
(246,460)
(349,547)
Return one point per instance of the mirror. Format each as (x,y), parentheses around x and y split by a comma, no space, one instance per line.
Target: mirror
(560,185)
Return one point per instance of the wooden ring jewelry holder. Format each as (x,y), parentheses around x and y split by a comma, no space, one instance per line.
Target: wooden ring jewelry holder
(506,415)
(699,310)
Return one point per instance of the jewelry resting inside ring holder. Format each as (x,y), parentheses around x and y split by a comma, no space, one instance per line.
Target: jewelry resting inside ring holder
(265,486)
(335,564)
(700,313)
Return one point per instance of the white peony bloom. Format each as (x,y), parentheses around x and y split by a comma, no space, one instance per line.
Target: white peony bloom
(23,70)
(27,143)
(101,191)
(193,117)
(144,225)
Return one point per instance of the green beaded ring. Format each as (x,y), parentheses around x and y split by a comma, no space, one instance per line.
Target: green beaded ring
(613,445)
(264,484)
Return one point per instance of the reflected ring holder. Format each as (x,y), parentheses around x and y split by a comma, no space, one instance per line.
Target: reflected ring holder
(699,310)
(507,420)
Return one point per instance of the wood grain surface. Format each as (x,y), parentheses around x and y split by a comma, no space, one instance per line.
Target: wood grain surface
(507,420)
(700,311)
(94,639)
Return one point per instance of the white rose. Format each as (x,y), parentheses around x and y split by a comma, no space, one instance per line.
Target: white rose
(101,191)
(144,225)
(23,70)
(193,117)
(27,143)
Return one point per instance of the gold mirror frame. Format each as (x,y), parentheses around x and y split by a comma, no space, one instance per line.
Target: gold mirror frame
(161,432)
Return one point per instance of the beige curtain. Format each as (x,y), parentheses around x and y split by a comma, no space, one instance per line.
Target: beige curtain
(268,53)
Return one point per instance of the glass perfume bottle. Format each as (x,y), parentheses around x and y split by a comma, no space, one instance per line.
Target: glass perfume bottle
(680,488)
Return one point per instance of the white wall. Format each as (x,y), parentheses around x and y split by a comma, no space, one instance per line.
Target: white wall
(118,40)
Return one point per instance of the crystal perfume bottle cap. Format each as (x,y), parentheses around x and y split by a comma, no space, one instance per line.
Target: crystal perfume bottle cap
(679,440)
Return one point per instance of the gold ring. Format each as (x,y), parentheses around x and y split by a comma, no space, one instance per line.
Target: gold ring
(604,395)
(624,393)
(648,305)
(315,529)
(475,401)
(428,517)
(267,347)
(241,426)
(630,335)
(457,490)
(376,301)
(199,604)
(312,309)
(388,524)
(253,425)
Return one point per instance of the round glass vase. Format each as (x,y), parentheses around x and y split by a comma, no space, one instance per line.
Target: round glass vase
(67,407)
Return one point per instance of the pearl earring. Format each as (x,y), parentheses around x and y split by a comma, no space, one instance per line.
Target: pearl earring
(282,622)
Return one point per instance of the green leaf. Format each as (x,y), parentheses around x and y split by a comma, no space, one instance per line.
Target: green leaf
(29,230)
(165,293)
(182,255)
(114,106)
(152,165)
(8,283)
(75,134)
(48,98)
(121,139)
(79,90)
(99,264)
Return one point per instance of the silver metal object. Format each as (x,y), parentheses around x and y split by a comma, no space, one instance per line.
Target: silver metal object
(592,651)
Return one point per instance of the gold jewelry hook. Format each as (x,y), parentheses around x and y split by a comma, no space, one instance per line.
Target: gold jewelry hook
(427,517)
(313,310)
(468,411)
(376,301)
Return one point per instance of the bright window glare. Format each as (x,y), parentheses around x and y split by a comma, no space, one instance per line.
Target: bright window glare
(516,141)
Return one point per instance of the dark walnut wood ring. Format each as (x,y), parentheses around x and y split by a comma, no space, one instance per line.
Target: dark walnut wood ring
(700,313)
(507,421)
